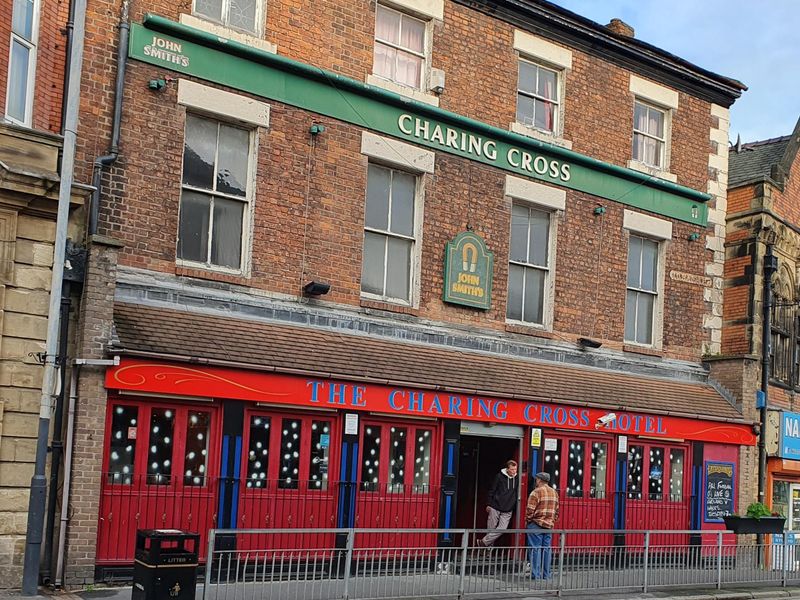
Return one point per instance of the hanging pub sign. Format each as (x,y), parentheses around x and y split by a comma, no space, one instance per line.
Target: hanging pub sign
(468,269)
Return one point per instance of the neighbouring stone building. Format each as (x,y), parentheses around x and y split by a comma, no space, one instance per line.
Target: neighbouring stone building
(345,285)
(31,80)
(764,211)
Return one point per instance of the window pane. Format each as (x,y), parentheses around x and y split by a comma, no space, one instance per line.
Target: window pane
(226,239)
(398,268)
(644,318)
(525,109)
(234,149)
(655,123)
(409,69)
(193,228)
(122,449)
(370,456)
(519,233)
(320,451)
(546,86)
(599,470)
(18,81)
(575,469)
(639,117)
(656,475)
(676,475)
(385,60)
(534,295)
(634,261)
(372,264)
(22,19)
(652,152)
(198,152)
(377,210)
(639,147)
(539,237)
(635,472)
(544,115)
(290,454)
(412,34)
(422,462)
(403,187)
(159,458)
(258,452)
(196,448)
(630,315)
(552,464)
(516,276)
(397,460)
(209,8)
(242,14)
(387,24)
(527,77)
(649,265)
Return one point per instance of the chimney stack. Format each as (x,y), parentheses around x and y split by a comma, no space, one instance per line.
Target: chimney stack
(620,27)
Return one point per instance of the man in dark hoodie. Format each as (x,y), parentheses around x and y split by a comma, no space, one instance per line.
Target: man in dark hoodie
(502,502)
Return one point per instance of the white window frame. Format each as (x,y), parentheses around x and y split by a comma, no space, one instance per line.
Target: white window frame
(259,17)
(33,46)
(558,101)
(425,55)
(665,112)
(416,242)
(659,231)
(247,219)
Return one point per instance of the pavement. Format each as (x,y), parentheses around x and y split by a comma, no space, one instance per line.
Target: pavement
(738,593)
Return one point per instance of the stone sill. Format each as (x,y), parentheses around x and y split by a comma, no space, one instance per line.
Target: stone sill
(529,330)
(647,351)
(389,307)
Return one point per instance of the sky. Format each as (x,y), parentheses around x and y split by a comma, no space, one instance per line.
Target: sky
(754,41)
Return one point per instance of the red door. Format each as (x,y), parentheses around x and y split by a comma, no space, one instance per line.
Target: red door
(396,476)
(657,498)
(581,469)
(160,471)
(289,478)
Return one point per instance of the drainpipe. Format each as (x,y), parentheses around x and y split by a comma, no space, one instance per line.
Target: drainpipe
(68,32)
(770,266)
(38,489)
(62,530)
(56,445)
(107,159)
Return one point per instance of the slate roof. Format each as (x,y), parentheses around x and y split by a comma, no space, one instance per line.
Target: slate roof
(755,160)
(149,331)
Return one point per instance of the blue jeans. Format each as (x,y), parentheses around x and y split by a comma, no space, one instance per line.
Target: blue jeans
(539,540)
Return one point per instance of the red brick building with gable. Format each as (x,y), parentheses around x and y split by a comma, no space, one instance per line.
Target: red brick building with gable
(764,189)
(345,249)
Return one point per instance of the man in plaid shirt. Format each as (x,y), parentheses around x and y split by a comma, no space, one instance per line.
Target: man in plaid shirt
(540,516)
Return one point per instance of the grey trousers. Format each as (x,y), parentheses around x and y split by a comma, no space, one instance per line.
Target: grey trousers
(499,522)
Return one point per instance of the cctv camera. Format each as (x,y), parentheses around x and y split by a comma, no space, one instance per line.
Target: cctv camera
(606,420)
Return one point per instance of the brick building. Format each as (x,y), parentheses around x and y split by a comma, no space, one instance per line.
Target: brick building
(305,258)
(31,90)
(763,194)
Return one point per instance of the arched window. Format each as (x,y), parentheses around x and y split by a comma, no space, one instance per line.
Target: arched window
(784,352)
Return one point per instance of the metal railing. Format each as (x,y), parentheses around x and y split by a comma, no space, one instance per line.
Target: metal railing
(453,565)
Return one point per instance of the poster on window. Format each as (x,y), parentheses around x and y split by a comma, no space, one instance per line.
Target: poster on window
(718,491)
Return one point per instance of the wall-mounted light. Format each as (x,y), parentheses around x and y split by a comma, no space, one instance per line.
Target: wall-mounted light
(599,210)
(316,288)
(693,237)
(316,129)
(156,84)
(588,343)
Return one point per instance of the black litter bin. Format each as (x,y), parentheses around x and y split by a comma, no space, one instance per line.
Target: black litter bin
(166,565)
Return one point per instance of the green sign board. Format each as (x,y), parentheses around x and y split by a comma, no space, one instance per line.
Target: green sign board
(186,50)
(468,268)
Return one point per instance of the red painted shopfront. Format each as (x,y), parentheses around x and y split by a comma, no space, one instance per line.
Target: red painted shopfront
(198,447)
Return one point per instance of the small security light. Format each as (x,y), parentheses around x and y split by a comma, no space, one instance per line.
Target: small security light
(316,288)
(589,343)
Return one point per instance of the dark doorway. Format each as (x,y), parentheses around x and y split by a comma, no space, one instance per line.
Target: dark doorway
(481,460)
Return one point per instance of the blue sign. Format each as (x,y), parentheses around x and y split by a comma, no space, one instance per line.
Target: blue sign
(324,440)
(790,435)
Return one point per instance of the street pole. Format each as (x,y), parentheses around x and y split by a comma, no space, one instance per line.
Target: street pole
(770,266)
(37,501)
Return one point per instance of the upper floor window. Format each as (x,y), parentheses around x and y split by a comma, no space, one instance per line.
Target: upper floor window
(389,234)
(649,135)
(642,294)
(22,61)
(399,47)
(537,96)
(215,195)
(529,265)
(239,14)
